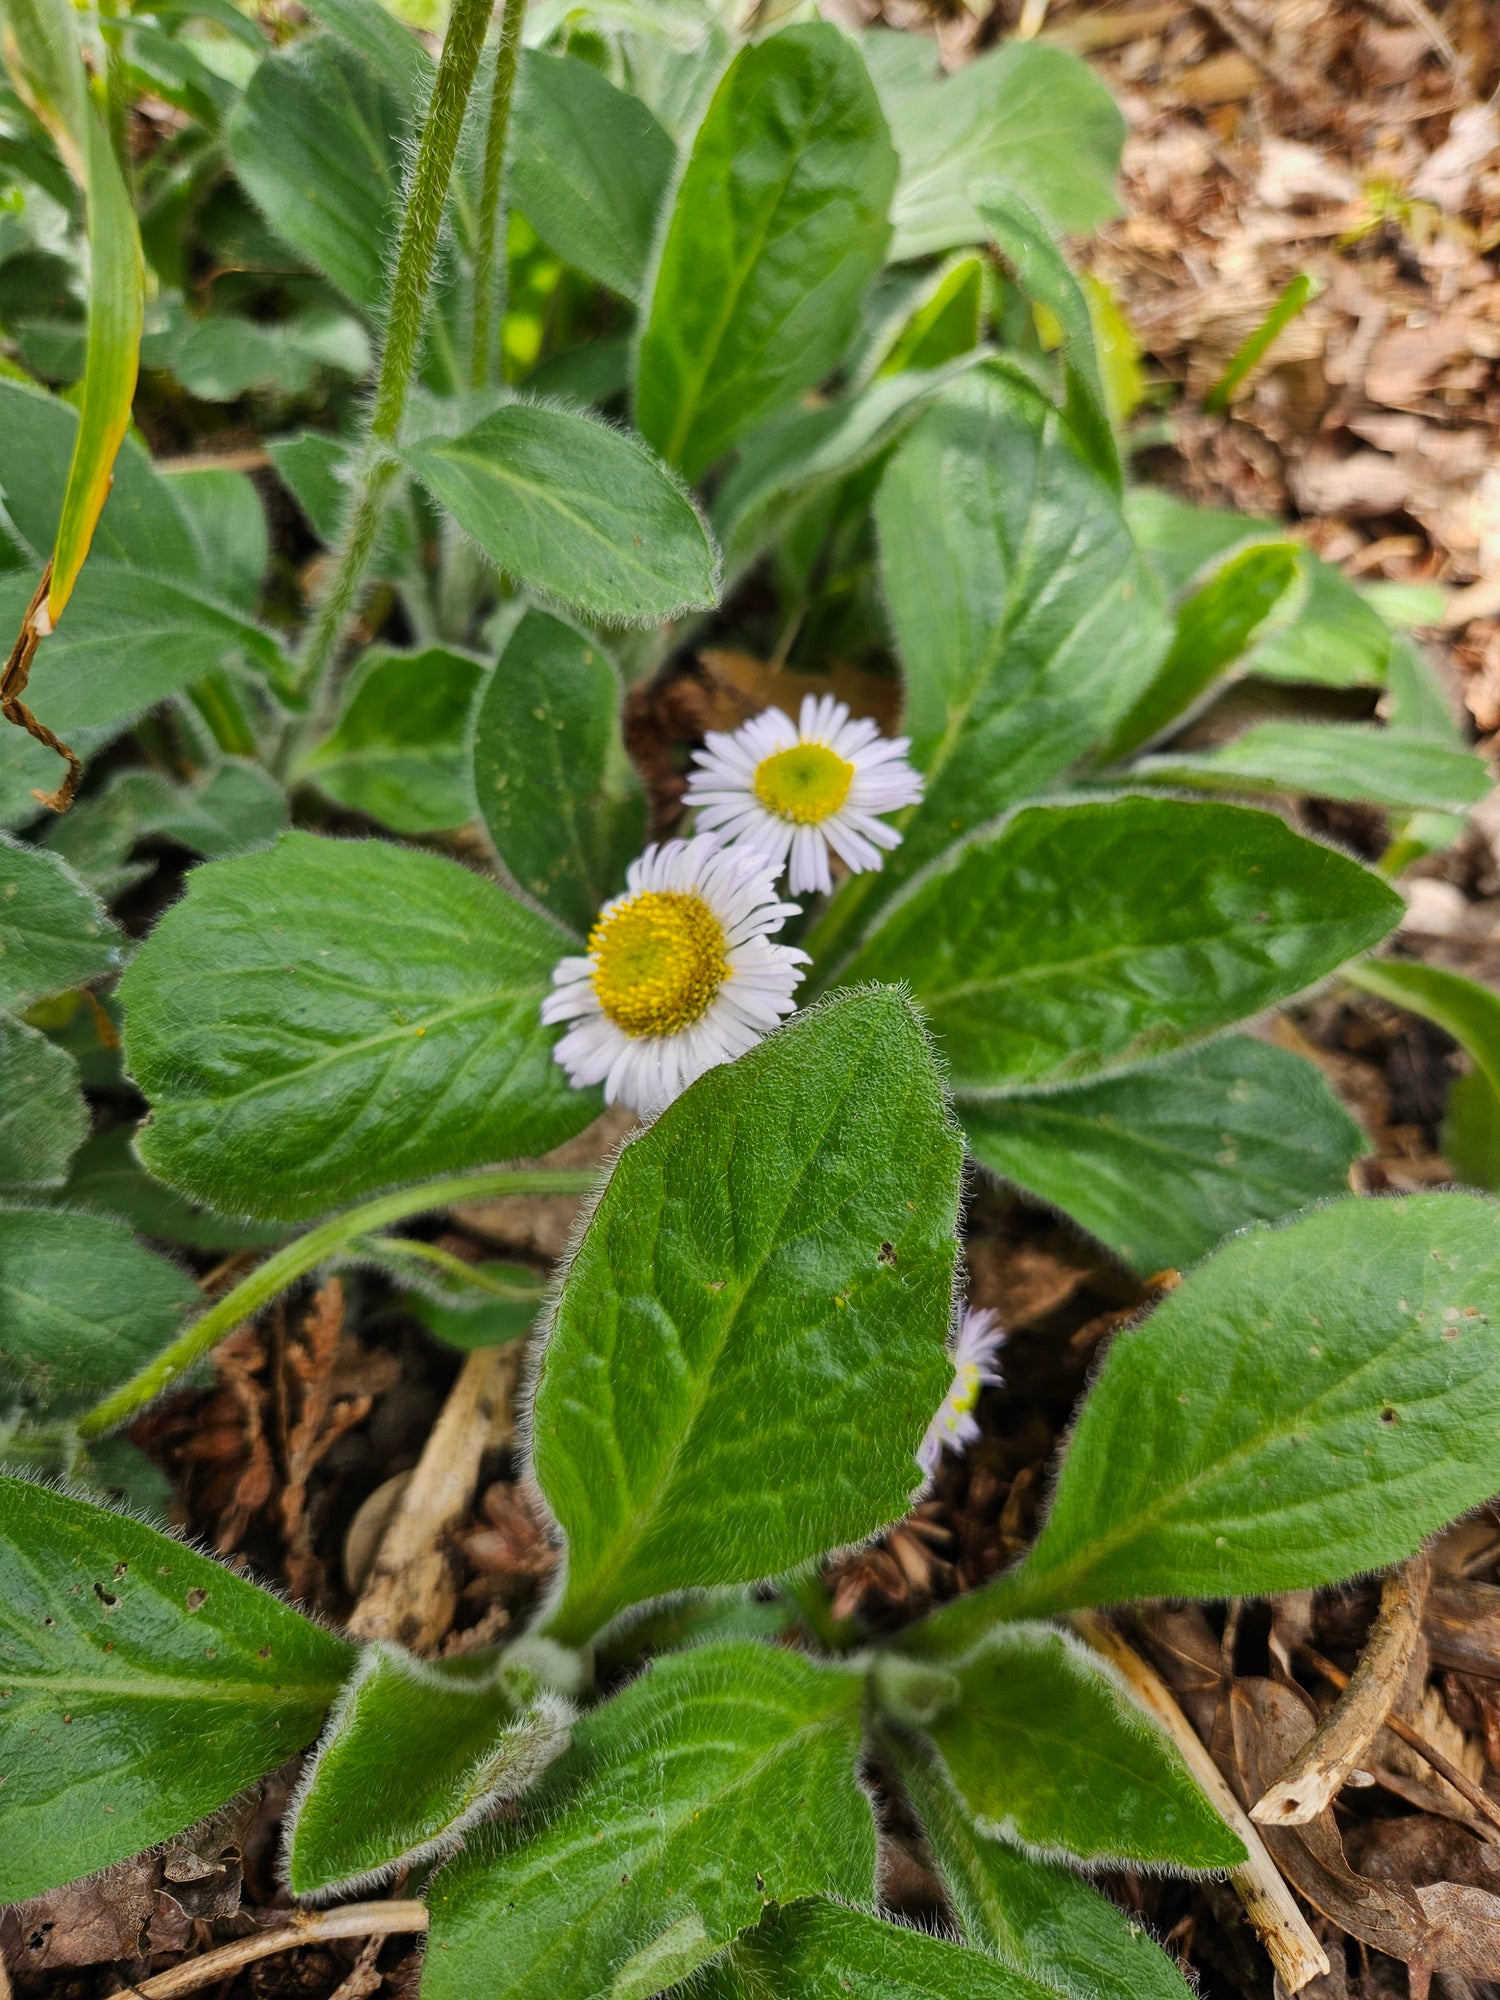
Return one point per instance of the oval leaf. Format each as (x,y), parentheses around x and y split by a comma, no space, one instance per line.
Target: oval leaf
(330,1017)
(53,933)
(43,1118)
(751,1338)
(574,509)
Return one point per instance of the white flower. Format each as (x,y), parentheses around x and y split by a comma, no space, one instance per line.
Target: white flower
(955,1425)
(680,974)
(799,789)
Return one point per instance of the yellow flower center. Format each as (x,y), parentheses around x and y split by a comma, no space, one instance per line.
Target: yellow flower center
(659,959)
(804,784)
(967,1385)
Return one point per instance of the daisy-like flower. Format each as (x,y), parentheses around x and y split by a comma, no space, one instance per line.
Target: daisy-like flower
(680,974)
(800,788)
(955,1426)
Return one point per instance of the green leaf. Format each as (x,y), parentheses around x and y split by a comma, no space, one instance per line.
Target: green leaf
(555,788)
(412,1758)
(236,807)
(53,933)
(589,166)
(142,525)
(778,226)
(131,639)
(1311,1402)
(721,1780)
(570,507)
(1033,117)
(1040,1919)
(945,322)
(1162,1164)
(1334,639)
(83,1306)
(1470,1136)
(500,1306)
(327,1017)
(1042,273)
(107,1175)
(43,1118)
(226,356)
(1050,624)
(752,1336)
(815,1950)
(1081,940)
(1417,700)
(1329,760)
(229,522)
(315,469)
(1214,627)
(1179,541)
(316,142)
(1470,1013)
(1046,1750)
(399,750)
(141,1686)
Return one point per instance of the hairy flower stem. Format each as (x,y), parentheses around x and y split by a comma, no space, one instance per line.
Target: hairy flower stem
(491,187)
(416,255)
(294,1260)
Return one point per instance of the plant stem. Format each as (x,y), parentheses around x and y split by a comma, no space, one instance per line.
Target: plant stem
(416,255)
(491,187)
(294,1260)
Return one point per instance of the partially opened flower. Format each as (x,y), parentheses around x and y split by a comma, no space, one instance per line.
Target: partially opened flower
(955,1425)
(800,789)
(681,974)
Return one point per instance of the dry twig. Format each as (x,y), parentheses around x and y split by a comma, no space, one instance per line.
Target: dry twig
(1269,1904)
(306,1927)
(1337,1746)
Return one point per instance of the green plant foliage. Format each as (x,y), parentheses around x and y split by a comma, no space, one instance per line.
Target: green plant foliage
(1031,117)
(498,1304)
(291,1017)
(1040,1919)
(411,1759)
(555,789)
(629,1870)
(229,524)
(143,1686)
(1335,639)
(225,357)
(53,933)
(822,1951)
(1050,626)
(1332,762)
(239,806)
(768,1273)
(43,1118)
(1067,941)
(1470,1013)
(1162,1164)
(1470,1135)
(575,509)
(778,226)
(107,1176)
(1311,1402)
(398,750)
(590,167)
(82,1306)
(1180,541)
(1043,1748)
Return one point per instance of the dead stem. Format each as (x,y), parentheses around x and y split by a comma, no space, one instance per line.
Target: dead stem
(306,1927)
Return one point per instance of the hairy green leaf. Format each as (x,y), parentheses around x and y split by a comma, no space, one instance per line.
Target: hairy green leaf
(82,1306)
(141,1686)
(1331,761)
(1311,1402)
(107,1176)
(229,523)
(498,1304)
(779,224)
(1470,1013)
(327,1017)
(1470,1136)
(751,1338)
(589,168)
(1045,1749)
(816,1950)
(584,513)
(555,789)
(53,933)
(413,1756)
(1080,940)
(1161,1164)
(720,1781)
(1334,638)
(1039,1918)
(399,748)
(1032,117)
(1180,541)
(43,1118)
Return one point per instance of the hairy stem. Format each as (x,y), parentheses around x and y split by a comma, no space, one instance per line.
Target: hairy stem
(416,255)
(294,1260)
(491,188)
